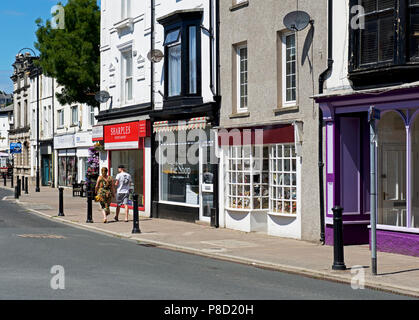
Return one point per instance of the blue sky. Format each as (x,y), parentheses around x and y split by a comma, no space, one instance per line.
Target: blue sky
(17,31)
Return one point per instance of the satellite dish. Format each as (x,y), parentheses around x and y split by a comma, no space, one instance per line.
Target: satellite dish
(155,55)
(102,96)
(297,20)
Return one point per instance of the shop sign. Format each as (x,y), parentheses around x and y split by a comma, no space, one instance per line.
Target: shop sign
(83,139)
(97,133)
(122,136)
(145,128)
(64,142)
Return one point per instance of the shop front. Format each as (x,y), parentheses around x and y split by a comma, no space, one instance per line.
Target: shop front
(128,144)
(185,165)
(396,145)
(66,160)
(262,185)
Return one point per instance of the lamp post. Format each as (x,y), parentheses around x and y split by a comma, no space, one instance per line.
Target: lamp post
(36,68)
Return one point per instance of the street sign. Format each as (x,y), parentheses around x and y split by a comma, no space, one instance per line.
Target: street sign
(16,147)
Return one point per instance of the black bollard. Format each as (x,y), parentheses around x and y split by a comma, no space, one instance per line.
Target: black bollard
(12,182)
(136,228)
(4,177)
(23,184)
(26,186)
(89,204)
(18,185)
(338,263)
(61,202)
(16,193)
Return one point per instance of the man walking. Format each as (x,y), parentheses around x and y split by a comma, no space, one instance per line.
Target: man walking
(123,183)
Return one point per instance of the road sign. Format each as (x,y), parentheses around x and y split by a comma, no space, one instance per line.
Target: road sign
(16,147)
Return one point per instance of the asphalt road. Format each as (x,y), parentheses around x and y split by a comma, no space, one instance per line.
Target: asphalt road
(98,266)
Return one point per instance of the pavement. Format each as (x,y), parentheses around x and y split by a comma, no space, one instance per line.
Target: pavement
(396,273)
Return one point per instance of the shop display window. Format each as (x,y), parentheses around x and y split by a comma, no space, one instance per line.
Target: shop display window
(262,178)
(248,177)
(133,162)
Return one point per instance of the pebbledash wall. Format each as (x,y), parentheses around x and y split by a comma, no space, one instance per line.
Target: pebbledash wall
(268,75)
(347,145)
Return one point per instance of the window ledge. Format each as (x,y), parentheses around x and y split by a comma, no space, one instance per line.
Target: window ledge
(126,23)
(246,210)
(240,115)
(286,109)
(240,5)
(288,215)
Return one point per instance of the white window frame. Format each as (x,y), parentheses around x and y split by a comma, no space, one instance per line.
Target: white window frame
(277,182)
(239,107)
(125,9)
(75,123)
(290,103)
(60,114)
(91,116)
(125,78)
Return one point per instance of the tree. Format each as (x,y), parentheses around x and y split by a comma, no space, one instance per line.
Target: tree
(71,55)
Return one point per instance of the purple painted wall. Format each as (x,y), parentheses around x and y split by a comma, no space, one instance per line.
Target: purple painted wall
(353,234)
(398,242)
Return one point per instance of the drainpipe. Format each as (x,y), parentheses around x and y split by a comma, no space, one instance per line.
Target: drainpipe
(322,79)
(151,61)
(53,131)
(211,30)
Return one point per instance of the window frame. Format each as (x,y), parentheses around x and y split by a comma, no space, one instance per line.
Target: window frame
(291,103)
(75,123)
(183,22)
(60,116)
(239,107)
(124,54)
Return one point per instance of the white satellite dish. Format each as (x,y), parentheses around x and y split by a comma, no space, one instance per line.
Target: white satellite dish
(155,55)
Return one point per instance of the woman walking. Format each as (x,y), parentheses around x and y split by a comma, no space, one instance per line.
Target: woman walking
(105,191)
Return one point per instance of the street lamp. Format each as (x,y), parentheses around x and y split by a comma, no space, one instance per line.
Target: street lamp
(37,188)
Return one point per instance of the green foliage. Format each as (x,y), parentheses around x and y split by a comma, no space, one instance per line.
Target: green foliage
(71,55)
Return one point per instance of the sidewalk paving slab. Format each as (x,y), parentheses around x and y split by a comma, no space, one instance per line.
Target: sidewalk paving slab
(397,273)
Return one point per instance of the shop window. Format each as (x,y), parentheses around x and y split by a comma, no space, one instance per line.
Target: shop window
(283,179)
(67,168)
(179,174)
(414,174)
(248,178)
(133,162)
(392,208)
(262,178)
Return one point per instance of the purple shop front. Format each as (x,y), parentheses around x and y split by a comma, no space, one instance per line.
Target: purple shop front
(347,183)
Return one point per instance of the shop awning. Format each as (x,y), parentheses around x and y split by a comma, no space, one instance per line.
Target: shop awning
(194,123)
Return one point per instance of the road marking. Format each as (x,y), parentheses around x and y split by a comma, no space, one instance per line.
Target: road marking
(41,236)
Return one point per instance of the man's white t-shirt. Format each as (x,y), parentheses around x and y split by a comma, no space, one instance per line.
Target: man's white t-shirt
(124,182)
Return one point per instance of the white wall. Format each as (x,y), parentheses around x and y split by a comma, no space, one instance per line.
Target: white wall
(338,79)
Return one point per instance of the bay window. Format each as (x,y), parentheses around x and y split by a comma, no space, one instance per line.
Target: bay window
(388,40)
(182,69)
(262,178)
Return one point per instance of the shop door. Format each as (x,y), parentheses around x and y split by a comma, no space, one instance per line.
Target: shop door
(206,181)
(393,184)
(45,171)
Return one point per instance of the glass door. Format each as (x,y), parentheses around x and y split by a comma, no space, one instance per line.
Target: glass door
(206,179)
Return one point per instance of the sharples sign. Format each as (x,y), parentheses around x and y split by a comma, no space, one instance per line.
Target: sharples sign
(122,136)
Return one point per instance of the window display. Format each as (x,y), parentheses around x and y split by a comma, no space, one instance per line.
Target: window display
(179,181)
(134,165)
(248,186)
(283,172)
(262,178)
(67,168)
